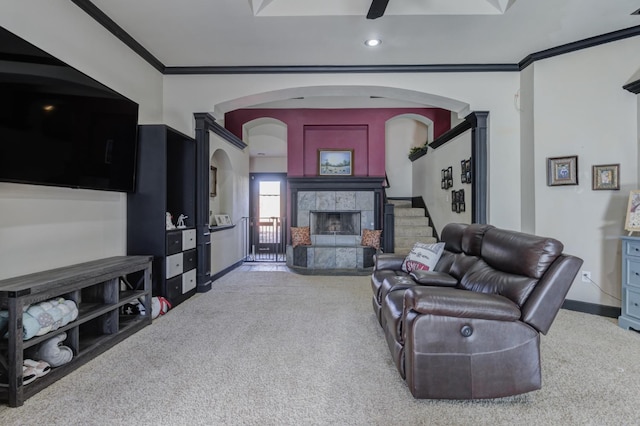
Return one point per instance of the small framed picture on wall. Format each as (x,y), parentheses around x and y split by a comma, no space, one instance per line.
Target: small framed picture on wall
(334,162)
(605,176)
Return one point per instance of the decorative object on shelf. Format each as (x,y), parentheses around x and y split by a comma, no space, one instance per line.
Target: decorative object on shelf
(180,224)
(447,178)
(632,222)
(605,176)
(334,162)
(418,151)
(223,220)
(465,171)
(213,184)
(169,222)
(562,170)
(457,201)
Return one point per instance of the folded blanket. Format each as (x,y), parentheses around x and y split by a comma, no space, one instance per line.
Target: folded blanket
(42,318)
(30,325)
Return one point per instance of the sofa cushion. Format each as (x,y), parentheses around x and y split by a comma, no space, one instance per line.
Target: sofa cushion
(519,253)
(472,238)
(300,236)
(483,278)
(371,238)
(423,256)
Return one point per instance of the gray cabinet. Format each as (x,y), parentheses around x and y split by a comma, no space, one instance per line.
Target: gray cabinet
(630,315)
(99,292)
(165,182)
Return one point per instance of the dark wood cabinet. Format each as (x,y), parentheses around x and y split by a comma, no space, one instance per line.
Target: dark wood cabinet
(166,182)
(98,290)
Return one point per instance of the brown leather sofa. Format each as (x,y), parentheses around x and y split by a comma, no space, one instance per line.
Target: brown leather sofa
(471,327)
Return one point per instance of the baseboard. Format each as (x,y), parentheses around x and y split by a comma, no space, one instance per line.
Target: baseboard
(226,270)
(591,308)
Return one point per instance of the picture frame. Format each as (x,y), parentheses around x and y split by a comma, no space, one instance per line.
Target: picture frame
(562,170)
(222,220)
(447,178)
(632,221)
(213,181)
(605,177)
(335,162)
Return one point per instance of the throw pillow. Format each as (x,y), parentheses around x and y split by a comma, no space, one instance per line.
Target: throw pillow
(371,238)
(423,256)
(300,236)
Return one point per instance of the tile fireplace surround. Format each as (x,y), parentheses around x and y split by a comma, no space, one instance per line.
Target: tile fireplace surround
(335,246)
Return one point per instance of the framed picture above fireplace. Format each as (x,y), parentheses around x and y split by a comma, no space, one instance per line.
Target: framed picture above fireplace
(335,162)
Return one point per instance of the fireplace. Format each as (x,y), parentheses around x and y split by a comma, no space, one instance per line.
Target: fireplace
(336,210)
(334,222)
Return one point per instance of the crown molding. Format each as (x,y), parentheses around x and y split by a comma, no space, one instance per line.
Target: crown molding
(92,10)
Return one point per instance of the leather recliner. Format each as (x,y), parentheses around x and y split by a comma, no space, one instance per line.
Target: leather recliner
(470,328)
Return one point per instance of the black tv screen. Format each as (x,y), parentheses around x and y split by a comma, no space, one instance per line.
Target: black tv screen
(60,127)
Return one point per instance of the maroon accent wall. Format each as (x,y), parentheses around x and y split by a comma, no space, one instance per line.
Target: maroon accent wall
(353,137)
(360,129)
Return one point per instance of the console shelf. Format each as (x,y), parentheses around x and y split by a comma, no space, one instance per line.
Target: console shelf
(96,288)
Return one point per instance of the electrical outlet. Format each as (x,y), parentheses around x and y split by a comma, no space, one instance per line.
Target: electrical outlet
(586,276)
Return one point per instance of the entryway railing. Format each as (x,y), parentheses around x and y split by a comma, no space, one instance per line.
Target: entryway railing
(264,239)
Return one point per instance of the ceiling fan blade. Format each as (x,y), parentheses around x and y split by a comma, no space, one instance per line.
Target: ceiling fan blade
(377,9)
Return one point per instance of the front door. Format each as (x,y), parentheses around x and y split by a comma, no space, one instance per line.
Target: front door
(267,221)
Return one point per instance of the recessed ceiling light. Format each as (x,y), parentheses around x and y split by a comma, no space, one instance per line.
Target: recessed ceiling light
(373,42)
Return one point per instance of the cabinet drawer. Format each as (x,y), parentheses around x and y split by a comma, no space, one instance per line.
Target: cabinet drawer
(632,303)
(174,242)
(188,239)
(174,265)
(188,281)
(632,248)
(189,260)
(633,272)
(174,288)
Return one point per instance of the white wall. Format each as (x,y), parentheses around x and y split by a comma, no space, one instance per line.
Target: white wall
(581,109)
(402,134)
(232,199)
(46,227)
(427,180)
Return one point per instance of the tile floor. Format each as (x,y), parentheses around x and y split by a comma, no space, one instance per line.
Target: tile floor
(264,267)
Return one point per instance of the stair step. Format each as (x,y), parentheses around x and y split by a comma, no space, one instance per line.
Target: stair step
(400,242)
(403,204)
(415,231)
(409,211)
(411,221)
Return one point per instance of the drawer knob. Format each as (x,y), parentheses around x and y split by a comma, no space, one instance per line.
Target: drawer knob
(635,304)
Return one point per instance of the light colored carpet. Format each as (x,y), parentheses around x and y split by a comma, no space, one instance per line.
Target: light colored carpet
(277,348)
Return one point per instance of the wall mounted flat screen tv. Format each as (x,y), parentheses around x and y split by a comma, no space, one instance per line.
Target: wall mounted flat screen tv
(60,127)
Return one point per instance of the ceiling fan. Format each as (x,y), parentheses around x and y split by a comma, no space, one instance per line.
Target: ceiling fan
(377,9)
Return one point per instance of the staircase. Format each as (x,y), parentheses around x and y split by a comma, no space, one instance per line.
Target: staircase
(411,226)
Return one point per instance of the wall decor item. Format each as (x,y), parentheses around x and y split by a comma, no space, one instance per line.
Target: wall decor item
(605,176)
(562,170)
(213,183)
(223,220)
(333,162)
(632,222)
(457,201)
(465,171)
(447,178)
